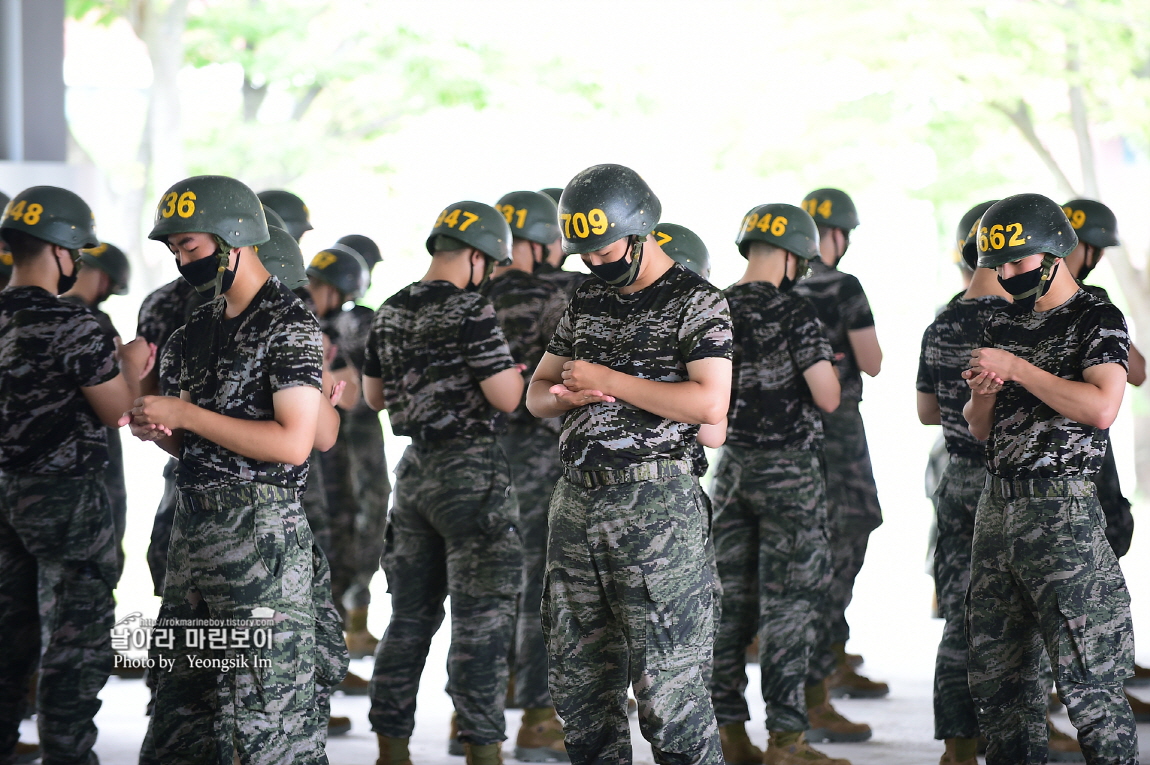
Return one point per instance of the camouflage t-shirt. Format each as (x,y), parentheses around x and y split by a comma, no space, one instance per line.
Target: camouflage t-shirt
(842,307)
(163,312)
(49,349)
(946,347)
(528,309)
(349,330)
(778,337)
(431,345)
(652,334)
(1029,439)
(103,319)
(232,367)
(567,281)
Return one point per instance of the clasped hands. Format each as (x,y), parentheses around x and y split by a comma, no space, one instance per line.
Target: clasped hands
(990,369)
(583,383)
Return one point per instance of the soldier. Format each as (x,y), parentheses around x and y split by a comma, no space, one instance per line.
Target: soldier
(62,382)
(550,265)
(104,271)
(249,412)
(942,393)
(438,361)
(770,500)
(290,209)
(358,485)
(852,498)
(628,595)
(1046,384)
(528,309)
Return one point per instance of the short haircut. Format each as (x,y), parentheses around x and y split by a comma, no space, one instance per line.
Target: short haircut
(24,247)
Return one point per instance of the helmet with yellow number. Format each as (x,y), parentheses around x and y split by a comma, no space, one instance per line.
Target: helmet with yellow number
(477,225)
(1022,225)
(531,215)
(342,268)
(212,204)
(604,204)
(781,225)
(111,260)
(684,247)
(52,214)
(1093,222)
(831,207)
(966,237)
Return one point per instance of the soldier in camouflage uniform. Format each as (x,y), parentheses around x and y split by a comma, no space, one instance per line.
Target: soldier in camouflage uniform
(1046,383)
(942,393)
(356,469)
(550,265)
(770,499)
(104,271)
(250,410)
(852,498)
(62,383)
(438,361)
(628,592)
(528,309)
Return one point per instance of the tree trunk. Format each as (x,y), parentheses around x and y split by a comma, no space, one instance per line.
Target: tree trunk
(253,98)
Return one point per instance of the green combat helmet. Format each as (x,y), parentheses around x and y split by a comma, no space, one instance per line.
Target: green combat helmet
(289,207)
(111,260)
(365,247)
(784,226)
(1021,225)
(216,205)
(967,235)
(1093,222)
(282,258)
(474,224)
(531,215)
(554,193)
(831,207)
(685,247)
(52,214)
(342,268)
(604,204)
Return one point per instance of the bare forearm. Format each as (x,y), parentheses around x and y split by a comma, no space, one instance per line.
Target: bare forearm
(690,402)
(263,440)
(979,413)
(1078,401)
(327,429)
(544,404)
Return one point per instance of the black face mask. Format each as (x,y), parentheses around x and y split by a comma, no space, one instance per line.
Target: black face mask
(622,272)
(1088,264)
(801,268)
(63,282)
(1027,287)
(210,273)
(488,267)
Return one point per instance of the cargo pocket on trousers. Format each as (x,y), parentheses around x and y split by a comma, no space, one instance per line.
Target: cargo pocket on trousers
(1073,660)
(679,620)
(269,537)
(497,555)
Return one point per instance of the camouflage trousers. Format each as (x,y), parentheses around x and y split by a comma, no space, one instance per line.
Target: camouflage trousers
(358,489)
(774,563)
(117,495)
(956,500)
(240,553)
(853,512)
(452,531)
(1042,573)
(162,529)
(57,570)
(628,601)
(535,468)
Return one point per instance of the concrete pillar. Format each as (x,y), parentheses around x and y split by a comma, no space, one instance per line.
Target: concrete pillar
(32,123)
